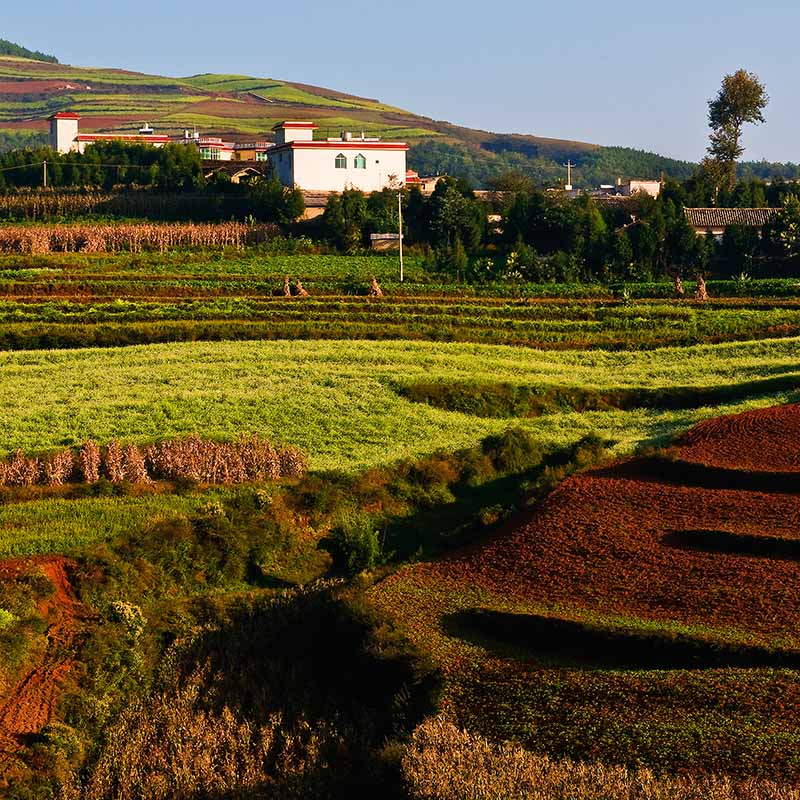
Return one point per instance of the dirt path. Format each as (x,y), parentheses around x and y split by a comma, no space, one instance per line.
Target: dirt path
(29,706)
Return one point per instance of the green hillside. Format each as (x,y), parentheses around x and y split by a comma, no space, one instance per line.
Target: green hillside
(242,108)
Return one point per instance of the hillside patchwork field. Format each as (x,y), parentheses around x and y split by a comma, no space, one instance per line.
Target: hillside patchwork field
(244,108)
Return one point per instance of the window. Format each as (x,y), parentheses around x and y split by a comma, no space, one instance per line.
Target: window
(360,162)
(209,153)
(261,155)
(341,162)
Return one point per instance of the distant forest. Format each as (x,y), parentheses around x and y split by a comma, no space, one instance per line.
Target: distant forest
(10,49)
(601,165)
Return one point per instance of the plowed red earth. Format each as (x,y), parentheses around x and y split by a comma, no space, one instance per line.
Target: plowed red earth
(766,440)
(603,542)
(29,705)
(38,87)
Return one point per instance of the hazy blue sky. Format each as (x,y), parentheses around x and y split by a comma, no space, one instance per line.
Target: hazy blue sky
(620,72)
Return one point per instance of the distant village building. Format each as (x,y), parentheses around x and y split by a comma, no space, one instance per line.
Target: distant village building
(632,187)
(426,185)
(716,220)
(335,164)
(213,148)
(65,135)
(629,188)
(251,151)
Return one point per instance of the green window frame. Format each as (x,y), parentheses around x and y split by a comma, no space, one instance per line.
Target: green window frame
(341,161)
(360,161)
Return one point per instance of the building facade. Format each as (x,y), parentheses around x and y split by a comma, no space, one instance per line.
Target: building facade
(65,135)
(335,164)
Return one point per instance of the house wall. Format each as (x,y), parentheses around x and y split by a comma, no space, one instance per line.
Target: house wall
(283,164)
(291,134)
(653,188)
(314,168)
(62,135)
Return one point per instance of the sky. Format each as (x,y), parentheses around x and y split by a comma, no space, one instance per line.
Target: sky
(636,74)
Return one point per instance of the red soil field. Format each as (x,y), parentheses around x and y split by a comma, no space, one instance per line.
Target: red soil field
(603,543)
(29,705)
(39,87)
(766,440)
(621,546)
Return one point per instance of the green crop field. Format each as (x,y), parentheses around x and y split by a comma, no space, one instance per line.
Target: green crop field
(338,401)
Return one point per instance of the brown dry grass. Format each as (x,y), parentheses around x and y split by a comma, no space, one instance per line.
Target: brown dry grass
(171,746)
(444,763)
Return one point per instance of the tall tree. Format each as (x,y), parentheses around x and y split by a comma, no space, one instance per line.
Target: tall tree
(741,100)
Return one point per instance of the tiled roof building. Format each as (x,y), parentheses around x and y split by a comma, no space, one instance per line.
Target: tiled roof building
(717,219)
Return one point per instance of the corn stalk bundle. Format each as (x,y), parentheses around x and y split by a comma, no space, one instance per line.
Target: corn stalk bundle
(133,466)
(247,460)
(112,462)
(89,462)
(57,469)
(21,470)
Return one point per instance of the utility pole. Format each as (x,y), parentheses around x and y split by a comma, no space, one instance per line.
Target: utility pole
(569,165)
(44,173)
(400,226)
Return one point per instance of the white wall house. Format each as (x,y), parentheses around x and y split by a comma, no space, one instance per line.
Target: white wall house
(65,135)
(335,164)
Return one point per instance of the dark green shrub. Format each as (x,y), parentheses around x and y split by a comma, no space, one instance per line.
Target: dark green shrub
(355,545)
(513,451)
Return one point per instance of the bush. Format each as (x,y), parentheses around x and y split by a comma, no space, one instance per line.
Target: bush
(513,451)
(355,544)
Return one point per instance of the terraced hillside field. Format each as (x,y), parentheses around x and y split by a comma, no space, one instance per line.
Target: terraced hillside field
(236,105)
(645,612)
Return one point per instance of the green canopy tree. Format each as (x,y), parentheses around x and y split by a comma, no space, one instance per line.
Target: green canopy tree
(740,101)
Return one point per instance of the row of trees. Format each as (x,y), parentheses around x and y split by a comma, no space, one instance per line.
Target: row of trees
(173,167)
(548,236)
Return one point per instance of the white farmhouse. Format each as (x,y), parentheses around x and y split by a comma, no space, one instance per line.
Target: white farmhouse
(65,135)
(335,164)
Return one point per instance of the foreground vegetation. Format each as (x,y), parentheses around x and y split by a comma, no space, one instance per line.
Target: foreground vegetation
(172,594)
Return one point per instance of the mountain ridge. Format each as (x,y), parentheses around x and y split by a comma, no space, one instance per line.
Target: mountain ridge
(242,107)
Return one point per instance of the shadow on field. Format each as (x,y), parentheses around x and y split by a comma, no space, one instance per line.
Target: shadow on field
(578,645)
(502,400)
(686,473)
(737,544)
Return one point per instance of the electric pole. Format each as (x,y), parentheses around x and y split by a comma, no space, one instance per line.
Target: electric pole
(44,173)
(569,165)
(400,227)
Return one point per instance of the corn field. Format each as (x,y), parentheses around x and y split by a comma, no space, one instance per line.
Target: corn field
(130,237)
(41,204)
(59,204)
(252,459)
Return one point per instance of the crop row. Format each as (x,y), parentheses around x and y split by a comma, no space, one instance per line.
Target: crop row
(68,324)
(101,238)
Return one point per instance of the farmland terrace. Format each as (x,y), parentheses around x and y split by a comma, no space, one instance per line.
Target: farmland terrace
(558,514)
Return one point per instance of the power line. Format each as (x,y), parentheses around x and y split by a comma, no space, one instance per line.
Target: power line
(79,166)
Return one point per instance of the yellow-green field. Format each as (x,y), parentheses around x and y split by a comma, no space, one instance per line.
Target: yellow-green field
(337,400)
